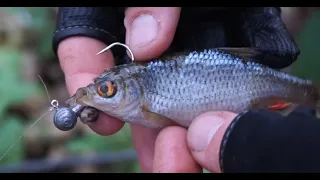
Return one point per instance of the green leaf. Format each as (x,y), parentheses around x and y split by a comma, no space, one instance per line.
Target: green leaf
(10,130)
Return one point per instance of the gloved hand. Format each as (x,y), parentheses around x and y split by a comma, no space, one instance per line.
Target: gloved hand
(257,141)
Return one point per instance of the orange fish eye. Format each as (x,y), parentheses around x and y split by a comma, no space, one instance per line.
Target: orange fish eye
(107,89)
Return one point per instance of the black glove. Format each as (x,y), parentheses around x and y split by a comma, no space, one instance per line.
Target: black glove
(262,141)
(198,28)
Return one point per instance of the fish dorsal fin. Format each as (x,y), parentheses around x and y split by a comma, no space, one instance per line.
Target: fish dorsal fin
(247,54)
(255,55)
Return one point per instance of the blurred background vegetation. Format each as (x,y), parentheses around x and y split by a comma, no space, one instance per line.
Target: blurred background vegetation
(25,52)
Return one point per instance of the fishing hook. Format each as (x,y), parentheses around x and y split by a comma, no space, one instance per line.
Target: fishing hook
(114,44)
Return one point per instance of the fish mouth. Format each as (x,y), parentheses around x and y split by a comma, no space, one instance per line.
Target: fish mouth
(83,96)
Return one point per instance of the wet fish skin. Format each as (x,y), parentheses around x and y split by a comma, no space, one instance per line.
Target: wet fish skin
(180,88)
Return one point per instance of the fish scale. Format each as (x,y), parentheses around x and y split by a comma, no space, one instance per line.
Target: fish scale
(180,88)
(209,83)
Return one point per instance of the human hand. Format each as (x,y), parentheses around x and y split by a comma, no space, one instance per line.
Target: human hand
(147,37)
(193,149)
(195,30)
(257,141)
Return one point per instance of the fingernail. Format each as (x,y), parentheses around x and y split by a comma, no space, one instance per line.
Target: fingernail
(144,30)
(203,130)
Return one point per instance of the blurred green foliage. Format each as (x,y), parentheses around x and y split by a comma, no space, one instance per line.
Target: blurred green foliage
(13,90)
(9,132)
(93,142)
(38,25)
(308,64)
(33,32)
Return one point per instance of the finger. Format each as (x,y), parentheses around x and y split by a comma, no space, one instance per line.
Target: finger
(205,135)
(172,154)
(144,143)
(81,65)
(144,138)
(150,30)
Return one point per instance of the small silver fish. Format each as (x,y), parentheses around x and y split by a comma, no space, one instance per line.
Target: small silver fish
(175,90)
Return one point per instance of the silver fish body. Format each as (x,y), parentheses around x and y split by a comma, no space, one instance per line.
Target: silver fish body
(180,88)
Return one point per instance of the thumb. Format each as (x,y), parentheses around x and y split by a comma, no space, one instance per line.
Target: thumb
(205,135)
(150,30)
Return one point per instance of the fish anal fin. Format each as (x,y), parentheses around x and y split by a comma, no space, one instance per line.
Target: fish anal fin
(278,104)
(157,119)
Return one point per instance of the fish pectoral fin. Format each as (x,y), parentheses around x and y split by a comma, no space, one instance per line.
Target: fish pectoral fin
(157,119)
(275,104)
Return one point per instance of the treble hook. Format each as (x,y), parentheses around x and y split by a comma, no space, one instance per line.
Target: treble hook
(114,44)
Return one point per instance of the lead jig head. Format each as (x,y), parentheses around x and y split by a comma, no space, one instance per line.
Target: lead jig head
(65,118)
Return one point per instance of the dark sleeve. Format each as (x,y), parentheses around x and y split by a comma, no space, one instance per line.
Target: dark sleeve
(262,141)
(102,23)
(198,28)
(261,28)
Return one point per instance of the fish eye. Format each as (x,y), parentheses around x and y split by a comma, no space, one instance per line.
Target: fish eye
(107,89)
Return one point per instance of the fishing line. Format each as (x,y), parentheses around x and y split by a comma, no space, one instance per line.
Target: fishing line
(18,139)
(45,87)
(54,105)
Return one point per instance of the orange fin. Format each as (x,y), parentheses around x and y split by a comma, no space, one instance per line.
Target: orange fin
(279,105)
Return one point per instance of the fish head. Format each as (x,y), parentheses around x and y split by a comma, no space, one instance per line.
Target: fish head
(104,95)
(115,95)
